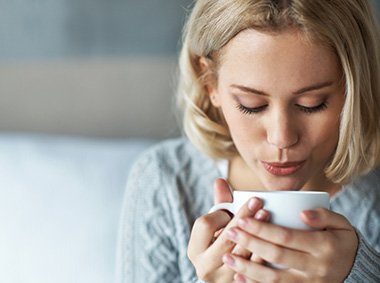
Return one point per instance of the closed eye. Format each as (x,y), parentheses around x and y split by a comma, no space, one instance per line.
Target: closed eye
(251,110)
(312,109)
(306,109)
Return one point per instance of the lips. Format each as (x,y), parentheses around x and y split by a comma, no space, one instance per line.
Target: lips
(283,169)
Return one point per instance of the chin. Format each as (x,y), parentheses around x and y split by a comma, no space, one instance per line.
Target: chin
(284,184)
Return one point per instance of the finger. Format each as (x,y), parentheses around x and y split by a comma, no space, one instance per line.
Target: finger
(222,244)
(241,278)
(262,215)
(257,259)
(240,251)
(270,252)
(255,272)
(204,229)
(279,235)
(247,271)
(222,191)
(322,218)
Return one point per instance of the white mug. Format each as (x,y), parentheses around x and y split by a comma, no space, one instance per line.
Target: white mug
(285,207)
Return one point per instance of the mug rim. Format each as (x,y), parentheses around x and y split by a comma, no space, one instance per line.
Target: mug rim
(284,192)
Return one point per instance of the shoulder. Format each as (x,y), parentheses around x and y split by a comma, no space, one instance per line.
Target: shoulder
(176,170)
(169,186)
(173,151)
(367,186)
(174,155)
(363,189)
(359,203)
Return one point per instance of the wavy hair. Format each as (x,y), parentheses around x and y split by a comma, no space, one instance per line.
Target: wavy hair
(347,26)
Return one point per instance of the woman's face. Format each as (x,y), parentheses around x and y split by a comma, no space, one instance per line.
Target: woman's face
(281,96)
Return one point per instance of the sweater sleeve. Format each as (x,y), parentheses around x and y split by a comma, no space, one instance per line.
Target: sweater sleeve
(366,267)
(197,280)
(146,251)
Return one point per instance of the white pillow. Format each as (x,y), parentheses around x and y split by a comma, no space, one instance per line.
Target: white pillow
(60,200)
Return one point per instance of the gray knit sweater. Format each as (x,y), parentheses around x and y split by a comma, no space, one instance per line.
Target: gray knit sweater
(171,185)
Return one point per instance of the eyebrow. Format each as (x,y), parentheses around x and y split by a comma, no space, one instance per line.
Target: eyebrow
(298,92)
(314,87)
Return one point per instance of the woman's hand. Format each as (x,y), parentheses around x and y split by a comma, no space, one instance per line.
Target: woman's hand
(326,255)
(209,241)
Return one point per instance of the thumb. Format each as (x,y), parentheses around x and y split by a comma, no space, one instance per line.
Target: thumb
(222,191)
(322,218)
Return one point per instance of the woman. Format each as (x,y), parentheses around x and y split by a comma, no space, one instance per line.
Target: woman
(277,95)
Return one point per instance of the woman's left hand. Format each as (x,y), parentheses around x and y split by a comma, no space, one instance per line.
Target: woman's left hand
(324,255)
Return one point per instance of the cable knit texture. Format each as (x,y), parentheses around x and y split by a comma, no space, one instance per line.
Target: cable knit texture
(172,184)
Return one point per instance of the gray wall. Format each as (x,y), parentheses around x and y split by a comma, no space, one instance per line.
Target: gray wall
(39,29)
(90,67)
(377,7)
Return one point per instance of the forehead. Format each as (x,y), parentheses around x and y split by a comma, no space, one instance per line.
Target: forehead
(270,56)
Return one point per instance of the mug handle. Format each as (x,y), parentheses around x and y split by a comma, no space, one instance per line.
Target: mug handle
(229,206)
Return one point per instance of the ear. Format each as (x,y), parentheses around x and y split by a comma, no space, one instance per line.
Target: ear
(209,82)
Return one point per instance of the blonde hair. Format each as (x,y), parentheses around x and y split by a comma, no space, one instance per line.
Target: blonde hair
(347,26)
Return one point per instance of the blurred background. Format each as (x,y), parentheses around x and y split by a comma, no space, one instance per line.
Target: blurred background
(85,87)
(90,67)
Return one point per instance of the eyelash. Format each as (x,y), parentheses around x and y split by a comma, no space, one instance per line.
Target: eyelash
(257,110)
(314,109)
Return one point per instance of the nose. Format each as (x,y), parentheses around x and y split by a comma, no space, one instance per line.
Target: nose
(282,130)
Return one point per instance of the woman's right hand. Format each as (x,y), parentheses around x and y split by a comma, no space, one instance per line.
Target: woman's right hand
(209,242)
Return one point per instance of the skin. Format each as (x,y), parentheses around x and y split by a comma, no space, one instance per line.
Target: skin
(279,66)
(281,96)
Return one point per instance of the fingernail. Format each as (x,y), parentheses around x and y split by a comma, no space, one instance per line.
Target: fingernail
(240,278)
(253,204)
(232,234)
(311,214)
(261,215)
(242,222)
(229,260)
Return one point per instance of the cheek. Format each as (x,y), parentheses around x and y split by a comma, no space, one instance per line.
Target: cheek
(245,130)
(324,137)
